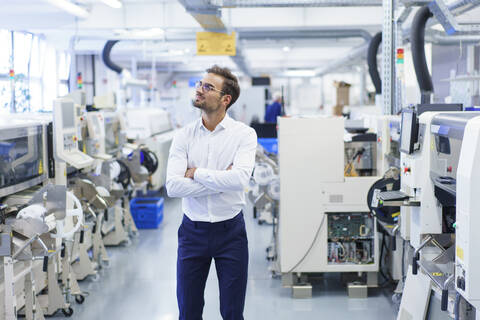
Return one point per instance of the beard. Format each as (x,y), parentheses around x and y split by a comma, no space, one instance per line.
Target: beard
(202,105)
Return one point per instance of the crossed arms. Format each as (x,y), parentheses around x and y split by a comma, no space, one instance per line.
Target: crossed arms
(198,182)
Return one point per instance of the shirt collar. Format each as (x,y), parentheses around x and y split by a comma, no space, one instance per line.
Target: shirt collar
(225,123)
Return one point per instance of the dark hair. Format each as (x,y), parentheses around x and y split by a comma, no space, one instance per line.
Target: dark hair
(230,82)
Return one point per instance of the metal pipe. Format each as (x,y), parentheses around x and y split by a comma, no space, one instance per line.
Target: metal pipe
(355,54)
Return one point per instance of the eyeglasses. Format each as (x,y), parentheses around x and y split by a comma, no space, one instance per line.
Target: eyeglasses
(206,87)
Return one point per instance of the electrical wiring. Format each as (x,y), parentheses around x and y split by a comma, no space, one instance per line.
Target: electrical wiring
(311,245)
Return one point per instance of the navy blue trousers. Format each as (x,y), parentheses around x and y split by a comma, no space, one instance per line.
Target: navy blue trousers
(198,243)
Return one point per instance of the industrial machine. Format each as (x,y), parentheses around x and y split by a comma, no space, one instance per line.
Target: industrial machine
(439,150)
(38,219)
(152,128)
(325,224)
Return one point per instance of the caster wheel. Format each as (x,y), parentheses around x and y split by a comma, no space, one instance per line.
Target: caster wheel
(79,299)
(68,312)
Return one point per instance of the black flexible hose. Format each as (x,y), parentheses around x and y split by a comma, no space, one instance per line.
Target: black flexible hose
(417,38)
(150,160)
(106,56)
(125,174)
(372,62)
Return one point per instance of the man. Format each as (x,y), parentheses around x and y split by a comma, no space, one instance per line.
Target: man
(209,166)
(275,109)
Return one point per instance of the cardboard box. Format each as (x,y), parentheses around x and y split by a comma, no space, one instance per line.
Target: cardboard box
(343,93)
(337,110)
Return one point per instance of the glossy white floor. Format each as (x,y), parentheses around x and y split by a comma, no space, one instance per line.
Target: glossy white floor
(140,284)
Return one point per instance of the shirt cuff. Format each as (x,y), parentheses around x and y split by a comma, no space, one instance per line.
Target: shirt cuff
(200,175)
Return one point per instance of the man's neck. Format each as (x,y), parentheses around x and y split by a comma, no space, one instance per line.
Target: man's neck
(211,120)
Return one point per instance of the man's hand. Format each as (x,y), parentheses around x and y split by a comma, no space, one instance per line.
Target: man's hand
(230,167)
(190,173)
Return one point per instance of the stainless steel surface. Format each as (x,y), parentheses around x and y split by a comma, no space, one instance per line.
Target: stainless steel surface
(53,198)
(438,276)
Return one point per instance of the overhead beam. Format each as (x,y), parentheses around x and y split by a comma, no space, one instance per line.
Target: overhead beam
(210,18)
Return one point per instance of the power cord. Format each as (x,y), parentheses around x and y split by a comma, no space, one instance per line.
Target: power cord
(311,245)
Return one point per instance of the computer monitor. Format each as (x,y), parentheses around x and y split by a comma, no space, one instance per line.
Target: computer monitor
(409,131)
(68,115)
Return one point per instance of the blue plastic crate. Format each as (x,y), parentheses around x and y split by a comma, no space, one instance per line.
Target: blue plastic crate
(147,212)
(269,144)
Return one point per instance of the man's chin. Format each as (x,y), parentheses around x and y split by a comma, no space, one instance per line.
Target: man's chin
(198,105)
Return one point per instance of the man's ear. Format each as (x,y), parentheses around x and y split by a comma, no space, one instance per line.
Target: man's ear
(227,98)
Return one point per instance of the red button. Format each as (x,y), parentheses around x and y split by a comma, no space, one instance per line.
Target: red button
(405,170)
(449,169)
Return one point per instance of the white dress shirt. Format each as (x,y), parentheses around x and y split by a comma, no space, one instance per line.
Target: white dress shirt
(215,194)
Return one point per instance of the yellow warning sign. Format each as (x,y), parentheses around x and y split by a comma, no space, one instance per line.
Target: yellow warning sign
(40,167)
(216,44)
(460,254)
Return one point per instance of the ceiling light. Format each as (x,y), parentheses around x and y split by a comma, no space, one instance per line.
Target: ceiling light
(69,7)
(116,4)
(300,73)
(286,48)
(140,33)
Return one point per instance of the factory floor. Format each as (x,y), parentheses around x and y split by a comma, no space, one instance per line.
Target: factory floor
(140,284)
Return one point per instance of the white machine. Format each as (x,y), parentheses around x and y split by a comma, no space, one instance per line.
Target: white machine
(96,136)
(65,124)
(440,153)
(324,224)
(151,127)
(467,260)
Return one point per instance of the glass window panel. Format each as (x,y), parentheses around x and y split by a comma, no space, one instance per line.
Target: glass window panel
(62,89)
(49,78)
(36,96)
(22,94)
(22,43)
(5,96)
(63,65)
(5,53)
(38,55)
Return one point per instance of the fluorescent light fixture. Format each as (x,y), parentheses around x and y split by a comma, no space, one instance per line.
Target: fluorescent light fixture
(176,52)
(140,33)
(116,4)
(300,73)
(286,49)
(69,7)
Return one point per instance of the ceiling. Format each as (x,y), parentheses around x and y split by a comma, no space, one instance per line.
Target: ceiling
(288,38)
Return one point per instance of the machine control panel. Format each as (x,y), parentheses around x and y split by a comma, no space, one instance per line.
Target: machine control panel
(66,123)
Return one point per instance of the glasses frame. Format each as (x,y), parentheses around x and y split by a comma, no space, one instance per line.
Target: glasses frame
(207,87)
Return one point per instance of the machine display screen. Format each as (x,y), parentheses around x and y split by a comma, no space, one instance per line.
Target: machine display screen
(68,115)
(407,138)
